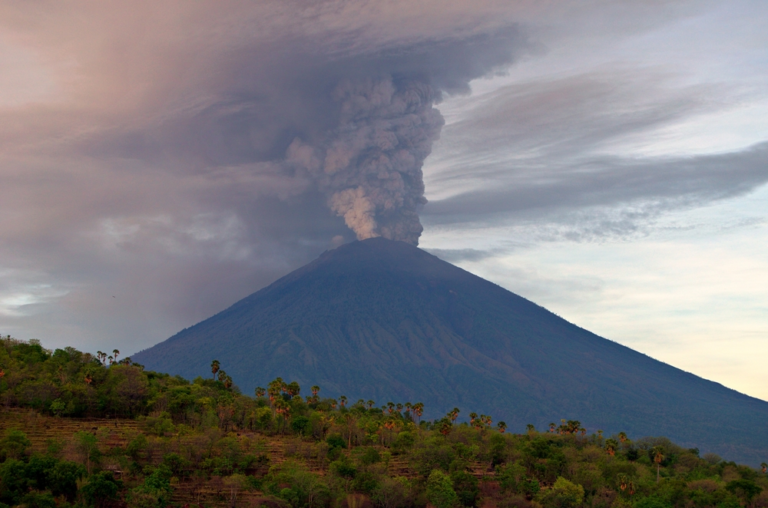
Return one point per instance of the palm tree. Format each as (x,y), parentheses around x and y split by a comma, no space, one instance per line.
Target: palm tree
(227,382)
(623,479)
(293,388)
(472,417)
(315,389)
(115,353)
(399,407)
(764,467)
(610,446)
(552,427)
(530,428)
(260,392)
(454,414)
(657,452)
(502,427)
(445,427)
(418,409)
(390,407)
(222,376)
(274,388)
(370,404)
(215,366)
(343,400)
(622,436)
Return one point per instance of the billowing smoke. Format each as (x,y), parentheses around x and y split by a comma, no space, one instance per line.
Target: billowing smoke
(369,166)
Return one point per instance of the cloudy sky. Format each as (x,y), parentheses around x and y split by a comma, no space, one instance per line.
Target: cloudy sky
(605,159)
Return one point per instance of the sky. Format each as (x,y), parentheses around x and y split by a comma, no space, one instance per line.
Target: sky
(607,160)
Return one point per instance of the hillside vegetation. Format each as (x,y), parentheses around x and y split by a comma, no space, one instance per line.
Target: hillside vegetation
(85,430)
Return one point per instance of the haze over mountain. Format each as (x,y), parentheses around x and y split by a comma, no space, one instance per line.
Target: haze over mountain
(384,320)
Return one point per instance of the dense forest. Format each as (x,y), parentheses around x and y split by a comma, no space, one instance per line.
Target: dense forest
(97,430)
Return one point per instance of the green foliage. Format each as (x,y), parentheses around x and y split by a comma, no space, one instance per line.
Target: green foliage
(14,445)
(440,491)
(370,456)
(300,425)
(154,492)
(194,432)
(466,487)
(102,489)
(746,490)
(336,441)
(563,494)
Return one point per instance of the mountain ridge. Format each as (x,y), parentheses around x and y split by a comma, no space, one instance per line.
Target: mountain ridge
(387,321)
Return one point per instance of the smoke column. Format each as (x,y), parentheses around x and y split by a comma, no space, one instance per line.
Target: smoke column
(369,166)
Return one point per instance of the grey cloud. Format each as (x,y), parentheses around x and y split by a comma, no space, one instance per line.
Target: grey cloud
(607,181)
(459,255)
(534,153)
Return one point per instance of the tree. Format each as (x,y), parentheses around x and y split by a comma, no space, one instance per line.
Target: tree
(101,489)
(622,437)
(563,494)
(391,493)
(418,409)
(745,490)
(764,467)
(466,487)
(293,389)
(502,427)
(370,404)
(440,491)
(610,446)
(14,445)
(260,392)
(657,454)
(63,478)
(343,400)
(86,445)
(215,366)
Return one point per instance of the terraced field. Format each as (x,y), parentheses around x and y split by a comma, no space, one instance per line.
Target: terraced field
(216,491)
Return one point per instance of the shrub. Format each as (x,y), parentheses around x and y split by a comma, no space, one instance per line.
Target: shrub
(440,490)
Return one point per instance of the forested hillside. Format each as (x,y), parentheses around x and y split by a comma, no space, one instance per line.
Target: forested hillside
(85,430)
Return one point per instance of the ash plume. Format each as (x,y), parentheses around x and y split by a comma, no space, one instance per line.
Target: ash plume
(369,166)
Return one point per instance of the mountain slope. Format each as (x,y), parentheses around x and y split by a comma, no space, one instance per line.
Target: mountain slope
(384,320)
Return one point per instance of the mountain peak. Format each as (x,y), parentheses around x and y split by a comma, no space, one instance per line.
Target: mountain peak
(384,320)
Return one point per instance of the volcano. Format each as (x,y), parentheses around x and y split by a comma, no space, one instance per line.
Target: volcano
(387,321)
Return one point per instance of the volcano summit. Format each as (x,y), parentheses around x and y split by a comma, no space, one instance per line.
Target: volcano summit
(384,320)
